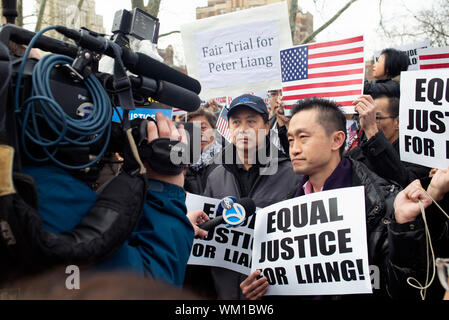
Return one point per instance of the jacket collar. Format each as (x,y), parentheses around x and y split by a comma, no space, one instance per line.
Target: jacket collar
(341,177)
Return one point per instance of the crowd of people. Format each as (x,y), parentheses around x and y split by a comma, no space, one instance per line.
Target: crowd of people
(309,147)
(271,157)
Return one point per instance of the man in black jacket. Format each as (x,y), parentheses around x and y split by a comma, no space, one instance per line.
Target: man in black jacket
(379,119)
(317,134)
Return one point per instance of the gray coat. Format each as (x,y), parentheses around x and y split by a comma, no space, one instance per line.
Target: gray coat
(267,189)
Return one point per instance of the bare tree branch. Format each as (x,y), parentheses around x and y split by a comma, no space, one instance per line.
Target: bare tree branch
(328,23)
(169,33)
(432,23)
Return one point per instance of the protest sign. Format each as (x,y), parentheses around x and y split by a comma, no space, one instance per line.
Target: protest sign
(226,247)
(411,49)
(237,52)
(424,118)
(314,244)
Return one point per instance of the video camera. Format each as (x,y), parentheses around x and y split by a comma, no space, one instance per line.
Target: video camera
(59,108)
(137,24)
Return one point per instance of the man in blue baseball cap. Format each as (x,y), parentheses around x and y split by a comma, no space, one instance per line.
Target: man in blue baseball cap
(250,167)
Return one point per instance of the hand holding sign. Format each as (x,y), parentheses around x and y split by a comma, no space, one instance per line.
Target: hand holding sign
(253,288)
(406,206)
(365,107)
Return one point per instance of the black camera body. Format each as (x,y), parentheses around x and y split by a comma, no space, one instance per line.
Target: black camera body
(138,24)
(154,79)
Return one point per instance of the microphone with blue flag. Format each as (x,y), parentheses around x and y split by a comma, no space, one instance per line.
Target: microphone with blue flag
(231,212)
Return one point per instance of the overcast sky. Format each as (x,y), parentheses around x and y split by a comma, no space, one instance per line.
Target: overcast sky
(361,18)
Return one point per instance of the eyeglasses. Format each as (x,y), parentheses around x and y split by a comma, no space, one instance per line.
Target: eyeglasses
(443,272)
(378,118)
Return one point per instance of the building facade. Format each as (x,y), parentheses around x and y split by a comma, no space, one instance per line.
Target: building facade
(304,21)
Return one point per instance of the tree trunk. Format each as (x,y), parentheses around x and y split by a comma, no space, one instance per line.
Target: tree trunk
(152,7)
(19,19)
(293,11)
(328,23)
(137,4)
(40,15)
(80,4)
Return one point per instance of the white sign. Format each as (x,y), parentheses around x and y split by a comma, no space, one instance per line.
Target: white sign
(314,244)
(237,52)
(226,247)
(424,118)
(411,49)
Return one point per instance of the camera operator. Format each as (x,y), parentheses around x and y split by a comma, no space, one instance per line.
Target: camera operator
(160,244)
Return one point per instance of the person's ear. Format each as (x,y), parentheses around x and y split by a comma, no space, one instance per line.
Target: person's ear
(338,139)
(396,123)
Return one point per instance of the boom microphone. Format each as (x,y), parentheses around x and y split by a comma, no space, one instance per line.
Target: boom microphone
(176,96)
(161,91)
(149,67)
(234,216)
(135,62)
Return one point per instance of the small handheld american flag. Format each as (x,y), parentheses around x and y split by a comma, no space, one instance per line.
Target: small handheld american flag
(222,124)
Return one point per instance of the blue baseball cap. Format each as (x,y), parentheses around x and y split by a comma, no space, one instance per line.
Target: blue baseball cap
(248,100)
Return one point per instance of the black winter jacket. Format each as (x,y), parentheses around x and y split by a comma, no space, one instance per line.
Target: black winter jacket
(382,157)
(388,87)
(195,180)
(408,257)
(379,198)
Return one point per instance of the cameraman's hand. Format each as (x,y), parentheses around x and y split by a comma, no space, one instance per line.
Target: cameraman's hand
(165,129)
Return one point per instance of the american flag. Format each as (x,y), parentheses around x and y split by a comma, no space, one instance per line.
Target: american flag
(433,58)
(334,70)
(222,124)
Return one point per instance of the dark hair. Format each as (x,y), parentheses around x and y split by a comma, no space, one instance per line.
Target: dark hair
(393,104)
(210,117)
(330,116)
(212,103)
(395,62)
